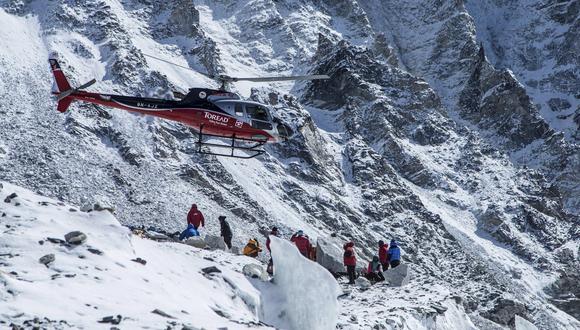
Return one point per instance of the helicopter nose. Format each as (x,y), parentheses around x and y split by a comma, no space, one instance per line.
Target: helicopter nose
(284,131)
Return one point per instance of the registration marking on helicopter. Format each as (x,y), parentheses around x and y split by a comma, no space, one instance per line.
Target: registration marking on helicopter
(143,106)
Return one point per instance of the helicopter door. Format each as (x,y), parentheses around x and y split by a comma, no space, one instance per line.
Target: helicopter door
(259,116)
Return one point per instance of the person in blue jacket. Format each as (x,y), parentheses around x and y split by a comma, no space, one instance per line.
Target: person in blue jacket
(189,232)
(394,254)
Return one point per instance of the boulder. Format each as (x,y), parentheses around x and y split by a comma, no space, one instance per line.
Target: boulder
(97,205)
(103,206)
(505,311)
(162,313)
(140,261)
(329,255)
(215,242)
(362,283)
(10,197)
(195,241)
(47,259)
(235,249)
(75,237)
(255,271)
(398,276)
(210,270)
(111,319)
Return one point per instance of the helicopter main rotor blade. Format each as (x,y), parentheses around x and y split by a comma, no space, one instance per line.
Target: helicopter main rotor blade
(287,78)
(181,66)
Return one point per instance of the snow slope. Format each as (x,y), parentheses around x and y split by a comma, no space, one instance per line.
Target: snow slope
(84,287)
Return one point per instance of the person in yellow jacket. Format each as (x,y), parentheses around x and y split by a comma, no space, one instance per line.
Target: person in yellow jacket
(252,248)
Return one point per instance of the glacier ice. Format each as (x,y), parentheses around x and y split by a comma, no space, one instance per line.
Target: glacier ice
(306,292)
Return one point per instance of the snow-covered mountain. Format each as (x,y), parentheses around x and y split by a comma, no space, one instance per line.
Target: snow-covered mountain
(449,125)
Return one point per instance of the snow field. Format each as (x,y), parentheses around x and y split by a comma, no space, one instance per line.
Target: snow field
(82,287)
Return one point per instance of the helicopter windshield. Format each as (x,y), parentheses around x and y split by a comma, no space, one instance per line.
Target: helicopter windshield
(257,112)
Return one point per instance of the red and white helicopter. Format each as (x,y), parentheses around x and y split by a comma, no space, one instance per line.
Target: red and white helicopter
(212,113)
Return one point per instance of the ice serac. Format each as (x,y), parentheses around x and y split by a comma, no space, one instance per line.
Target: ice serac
(523,324)
(309,291)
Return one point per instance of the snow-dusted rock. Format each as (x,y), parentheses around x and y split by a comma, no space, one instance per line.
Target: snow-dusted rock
(398,276)
(99,205)
(196,241)
(255,271)
(362,282)
(211,270)
(329,254)
(47,259)
(505,310)
(75,237)
(215,242)
(10,197)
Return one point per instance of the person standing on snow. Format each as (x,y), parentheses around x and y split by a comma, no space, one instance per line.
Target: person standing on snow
(394,254)
(302,243)
(350,261)
(195,217)
(383,252)
(374,271)
(225,231)
(273,232)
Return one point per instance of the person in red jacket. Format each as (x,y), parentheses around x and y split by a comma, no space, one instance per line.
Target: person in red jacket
(350,261)
(195,217)
(383,255)
(302,243)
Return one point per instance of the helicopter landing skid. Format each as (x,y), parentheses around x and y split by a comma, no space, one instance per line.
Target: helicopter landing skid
(254,150)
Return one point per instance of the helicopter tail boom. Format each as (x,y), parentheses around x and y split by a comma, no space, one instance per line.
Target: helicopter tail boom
(62,83)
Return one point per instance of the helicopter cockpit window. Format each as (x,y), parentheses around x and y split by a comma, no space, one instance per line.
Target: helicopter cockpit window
(257,112)
(259,116)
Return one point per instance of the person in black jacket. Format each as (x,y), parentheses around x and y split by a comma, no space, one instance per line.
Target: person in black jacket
(226,231)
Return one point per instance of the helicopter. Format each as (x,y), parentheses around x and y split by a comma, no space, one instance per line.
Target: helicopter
(212,113)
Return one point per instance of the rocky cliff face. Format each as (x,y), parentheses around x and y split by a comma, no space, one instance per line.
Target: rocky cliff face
(433,130)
